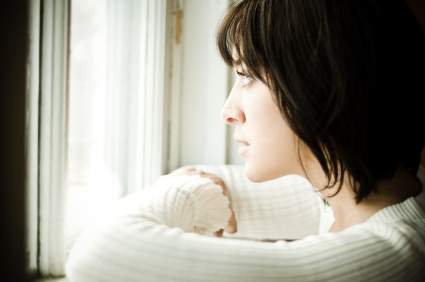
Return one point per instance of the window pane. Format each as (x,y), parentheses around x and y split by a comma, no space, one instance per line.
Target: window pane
(112,104)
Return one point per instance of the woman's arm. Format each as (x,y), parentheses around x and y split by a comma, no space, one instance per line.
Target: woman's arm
(146,237)
(285,208)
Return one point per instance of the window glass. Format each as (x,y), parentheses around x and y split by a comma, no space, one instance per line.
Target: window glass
(108,98)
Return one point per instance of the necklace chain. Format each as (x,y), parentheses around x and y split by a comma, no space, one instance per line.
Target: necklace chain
(325,201)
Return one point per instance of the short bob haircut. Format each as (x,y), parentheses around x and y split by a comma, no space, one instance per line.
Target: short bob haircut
(347,75)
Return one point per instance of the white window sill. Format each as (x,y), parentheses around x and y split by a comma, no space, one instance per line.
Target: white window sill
(60,279)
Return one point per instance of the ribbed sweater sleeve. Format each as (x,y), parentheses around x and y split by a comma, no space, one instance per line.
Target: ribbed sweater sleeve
(284,208)
(154,235)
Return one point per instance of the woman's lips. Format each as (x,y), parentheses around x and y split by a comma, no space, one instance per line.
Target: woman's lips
(243,148)
(245,145)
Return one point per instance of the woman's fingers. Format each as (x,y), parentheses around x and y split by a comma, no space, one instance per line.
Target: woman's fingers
(218,233)
(189,169)
(232,227)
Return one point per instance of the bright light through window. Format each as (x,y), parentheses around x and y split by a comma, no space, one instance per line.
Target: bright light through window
(112,117)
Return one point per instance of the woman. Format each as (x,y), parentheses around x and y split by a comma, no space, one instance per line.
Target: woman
(328,90)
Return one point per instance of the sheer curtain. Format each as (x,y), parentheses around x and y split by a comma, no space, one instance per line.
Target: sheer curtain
(116,103)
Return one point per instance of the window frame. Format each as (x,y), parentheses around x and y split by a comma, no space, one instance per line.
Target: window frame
(47,126)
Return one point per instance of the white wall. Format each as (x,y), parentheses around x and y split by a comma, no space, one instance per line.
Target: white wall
(206,81)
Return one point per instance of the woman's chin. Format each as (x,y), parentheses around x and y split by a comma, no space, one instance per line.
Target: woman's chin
(261,172)
(258,174)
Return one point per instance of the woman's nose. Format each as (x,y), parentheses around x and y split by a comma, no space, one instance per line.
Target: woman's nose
(232,112)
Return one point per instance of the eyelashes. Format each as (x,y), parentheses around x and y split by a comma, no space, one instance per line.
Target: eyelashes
(246,79)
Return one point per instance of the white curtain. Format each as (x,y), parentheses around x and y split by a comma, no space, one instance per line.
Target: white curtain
(116,102)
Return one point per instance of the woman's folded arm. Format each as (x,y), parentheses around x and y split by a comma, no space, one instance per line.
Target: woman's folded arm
(154,235)
(284,208)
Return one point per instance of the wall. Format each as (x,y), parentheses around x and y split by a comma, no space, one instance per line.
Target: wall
(205,84)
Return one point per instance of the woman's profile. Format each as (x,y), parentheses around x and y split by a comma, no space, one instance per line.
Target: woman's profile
(328,90)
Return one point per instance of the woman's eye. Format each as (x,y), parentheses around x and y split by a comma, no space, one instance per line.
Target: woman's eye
(246,79)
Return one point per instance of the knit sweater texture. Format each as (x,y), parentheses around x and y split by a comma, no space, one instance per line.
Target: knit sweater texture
(164,233)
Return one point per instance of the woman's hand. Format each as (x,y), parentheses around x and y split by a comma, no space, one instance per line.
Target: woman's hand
(232,226)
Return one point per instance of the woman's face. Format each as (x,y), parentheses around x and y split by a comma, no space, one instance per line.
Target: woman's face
(267,143)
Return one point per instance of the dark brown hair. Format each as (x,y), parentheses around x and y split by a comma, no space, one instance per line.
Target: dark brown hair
(348,77)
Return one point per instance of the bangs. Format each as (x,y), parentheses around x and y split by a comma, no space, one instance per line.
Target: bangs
(239,40)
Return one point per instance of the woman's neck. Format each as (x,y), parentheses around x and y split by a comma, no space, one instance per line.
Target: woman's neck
(392,191)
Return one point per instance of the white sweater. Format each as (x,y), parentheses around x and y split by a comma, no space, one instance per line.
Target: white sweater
(154,235)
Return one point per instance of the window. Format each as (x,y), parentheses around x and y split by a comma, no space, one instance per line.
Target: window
(116,104)
(96,115)
(120,92)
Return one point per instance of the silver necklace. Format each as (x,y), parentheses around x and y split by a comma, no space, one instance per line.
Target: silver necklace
(325,201)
